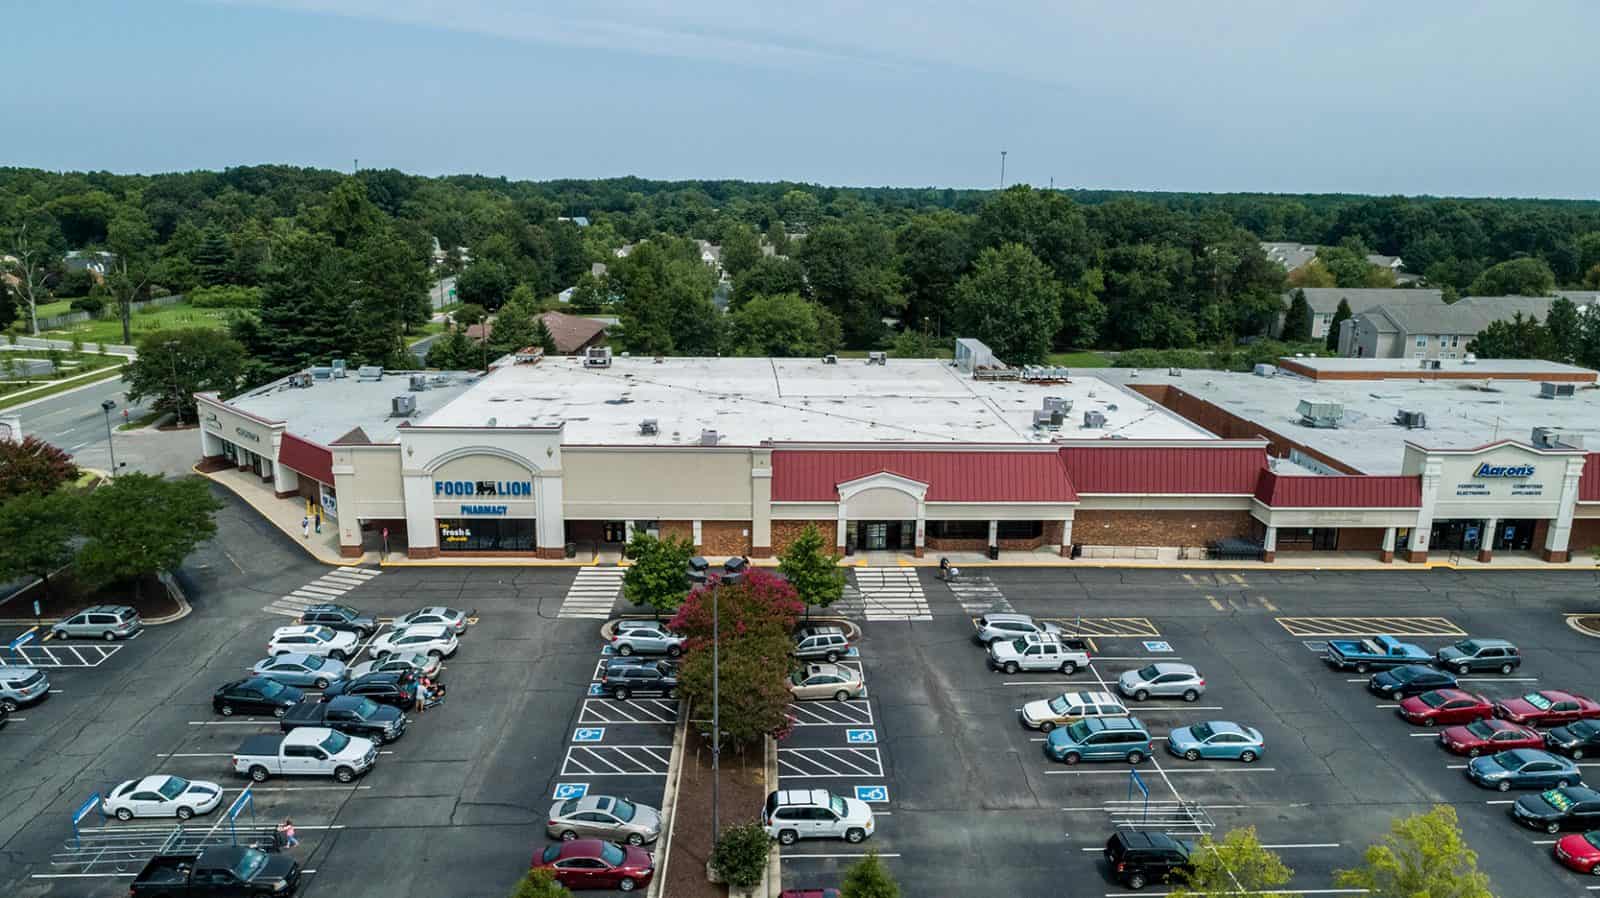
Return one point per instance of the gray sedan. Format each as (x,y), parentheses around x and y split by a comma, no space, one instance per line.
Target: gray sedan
(1164,678)
(301,670)
(603,817)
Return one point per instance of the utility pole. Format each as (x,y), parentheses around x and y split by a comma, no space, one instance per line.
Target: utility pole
(1002,169)
(716,720)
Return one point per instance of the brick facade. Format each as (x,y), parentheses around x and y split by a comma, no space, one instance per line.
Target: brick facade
(683,530)
(1157,528)
(784,533)
(721,538)
(1585,535)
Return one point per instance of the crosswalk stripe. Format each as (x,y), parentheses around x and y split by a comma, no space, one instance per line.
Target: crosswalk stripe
(891,594)
(592,594)
(323,590)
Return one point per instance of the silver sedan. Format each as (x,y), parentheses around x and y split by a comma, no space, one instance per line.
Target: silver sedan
(295,669)
(603,817)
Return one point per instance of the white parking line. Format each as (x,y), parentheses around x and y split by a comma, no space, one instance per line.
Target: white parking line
(1466,679)
(1163,771)
(1237,892)
(1277,847)
(795,856)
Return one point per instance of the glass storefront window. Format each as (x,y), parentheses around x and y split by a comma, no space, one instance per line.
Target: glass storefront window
(486,534)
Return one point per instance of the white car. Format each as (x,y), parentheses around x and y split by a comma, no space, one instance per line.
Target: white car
(426,665)
(425,639)
(313,640)
(454,618)
(162,796)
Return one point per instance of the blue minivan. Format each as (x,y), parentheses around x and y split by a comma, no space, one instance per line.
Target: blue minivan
(1099,739)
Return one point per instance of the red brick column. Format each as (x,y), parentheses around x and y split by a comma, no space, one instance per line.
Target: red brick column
(350,551)
(422,552)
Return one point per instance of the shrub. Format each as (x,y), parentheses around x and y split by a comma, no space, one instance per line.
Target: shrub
(740,856)
(225,297)
(94,305)
(539,884)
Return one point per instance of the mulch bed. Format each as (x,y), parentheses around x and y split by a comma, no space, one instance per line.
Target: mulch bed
(67,596)
(1589,623)
(743,793)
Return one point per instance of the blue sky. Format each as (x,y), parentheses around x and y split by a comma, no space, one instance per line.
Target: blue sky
(1462,98)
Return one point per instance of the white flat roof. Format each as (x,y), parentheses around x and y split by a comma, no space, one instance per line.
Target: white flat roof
(329,409)
(748,400)
(1484,367)
(1459,414)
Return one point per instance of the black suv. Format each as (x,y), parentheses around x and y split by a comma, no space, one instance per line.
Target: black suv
(659,678)
(1137,858)
(397,689)
(340,617)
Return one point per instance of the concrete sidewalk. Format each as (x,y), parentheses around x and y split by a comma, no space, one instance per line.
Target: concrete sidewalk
(286,514)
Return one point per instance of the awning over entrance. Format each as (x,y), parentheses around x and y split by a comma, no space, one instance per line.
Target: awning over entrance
(306,457)
(806,475)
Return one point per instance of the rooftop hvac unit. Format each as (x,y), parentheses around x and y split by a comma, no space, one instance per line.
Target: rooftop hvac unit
(301,380)
(708,438)
(830,359)
(369,372)
(403,406)
(597,357)
(321,372)
(877,358)
(1174,372)
(1057,404)
(1411,420)
(1320,414)
(1430,365)
(1549,390)
(1048,419)
(1093,420)
(1265,370)
(648,427)
(419,382)
(338,367)
(1470,358)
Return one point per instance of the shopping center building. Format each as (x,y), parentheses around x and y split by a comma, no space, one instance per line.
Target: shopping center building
(550,456)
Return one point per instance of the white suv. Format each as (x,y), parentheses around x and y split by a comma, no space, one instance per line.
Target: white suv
(340,645)
(1036,652)
(438,640)
(794,814)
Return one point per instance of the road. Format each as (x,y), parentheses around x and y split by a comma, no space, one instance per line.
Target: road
(75,422)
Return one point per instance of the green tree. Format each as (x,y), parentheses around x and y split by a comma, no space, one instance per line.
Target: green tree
(31,465)
(516,327)
(759,603)
(1515,277)
(915,344)
(454,352)
(1237,864)
(812,568)
(1347,262)
(754,692)
(486,283)
(36,533)
(1048,223)
(1312,274)
(589,295)
(741,249)
(539,883)
(542,337)
(468,314)
(868,878)
(387,295)
(1564,325)
(1519,338)
(173,365)
(935,249)
(740,855)
(784,326)
(213,258)
(305,309)
(1340,315)
(770,276)
(133,242)
(659,574)
(139,524)
(1010,302)
(1423,855)
(850,268)
(664,291)
(1297,320)
(35,242)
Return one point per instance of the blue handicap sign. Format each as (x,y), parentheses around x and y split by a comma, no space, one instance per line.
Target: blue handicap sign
(852,652)
(21,641)
(589,734)
(872,793)
(565,791)
(596,689)
(861,737)
(1157,647)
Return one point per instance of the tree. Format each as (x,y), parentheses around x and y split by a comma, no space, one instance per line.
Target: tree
(1519,338)
(812,569)
(387,294)
(664,292)
(784,326)
(213,258)
(741,249)
(133,243)
(867,878)
(1347,262)
(915,344)
(740,855)
(1312,274)
(539,883)
(1423,854)
(589,295)
(486,283)
(1340,315)
(33,466)
(36,533)
(173,365)
(36,244)
(469,314)
(1237,864)
(139,524)
(454,352)
(935,249)
(1048,223)
(1564,325)
(516,327)
(770,276)
(542,337)
(1515,277)
(8,305)
(850,268)
(753,668)
(1011,303)
(305,307)
(1297,321)
(659,574)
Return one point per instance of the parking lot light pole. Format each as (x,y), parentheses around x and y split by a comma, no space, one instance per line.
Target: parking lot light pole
(716,721)
(106,406)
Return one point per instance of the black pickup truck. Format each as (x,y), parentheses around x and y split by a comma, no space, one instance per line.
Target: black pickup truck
(217,872)
(353,715)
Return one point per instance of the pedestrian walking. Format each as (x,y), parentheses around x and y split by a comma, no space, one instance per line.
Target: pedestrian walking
(286,830)
(305,528)
(319,519)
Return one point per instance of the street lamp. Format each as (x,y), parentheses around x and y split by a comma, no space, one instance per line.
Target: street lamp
(177,389)
(716,706)
(106,406)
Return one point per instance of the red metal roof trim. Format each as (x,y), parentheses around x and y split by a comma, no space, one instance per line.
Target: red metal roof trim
(1589,484)
(1179,470)
(804,475)
(1339,491)
(306,457)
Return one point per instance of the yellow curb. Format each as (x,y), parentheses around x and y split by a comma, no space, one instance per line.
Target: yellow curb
(341,562)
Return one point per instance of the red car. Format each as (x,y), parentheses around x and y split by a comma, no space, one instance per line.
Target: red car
(1579,851)
(1445,706)
(1546,708)
(1488,737)
(597,864)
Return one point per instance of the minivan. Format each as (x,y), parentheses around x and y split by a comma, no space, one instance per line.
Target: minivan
(108,622)
(1099,739)
(21,686)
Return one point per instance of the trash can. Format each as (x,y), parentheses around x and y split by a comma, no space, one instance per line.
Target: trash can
(994,553)
(572,550)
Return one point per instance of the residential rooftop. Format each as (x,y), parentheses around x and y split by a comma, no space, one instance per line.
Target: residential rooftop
(1413,369)
(751,400)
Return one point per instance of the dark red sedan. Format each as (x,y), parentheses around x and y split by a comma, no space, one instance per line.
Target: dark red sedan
(1579,851)
(1547,708)
(1445,706)
(597,864)
(1489,736)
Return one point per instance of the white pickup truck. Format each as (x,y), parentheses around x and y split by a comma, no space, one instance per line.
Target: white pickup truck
(305,751)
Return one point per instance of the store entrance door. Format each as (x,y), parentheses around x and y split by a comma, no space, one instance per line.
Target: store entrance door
(881,536)
(1463,535)
(1514,536)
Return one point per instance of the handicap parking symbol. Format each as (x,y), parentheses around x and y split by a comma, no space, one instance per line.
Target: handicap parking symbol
(596,689)
(565,791)
(607,650)
(1157,647)
(861,737)
(852,652)
(589,734)
(872,793)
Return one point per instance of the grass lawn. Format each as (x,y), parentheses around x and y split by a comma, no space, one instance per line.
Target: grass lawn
(46,309)
(109,330)
(144,420)
(424,331)
(1082,359)
(28,393)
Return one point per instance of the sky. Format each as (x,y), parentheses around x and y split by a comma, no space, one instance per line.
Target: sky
(1465,98)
